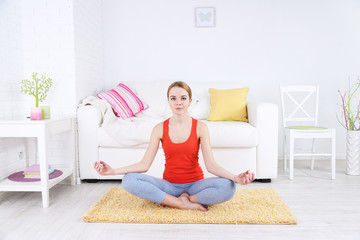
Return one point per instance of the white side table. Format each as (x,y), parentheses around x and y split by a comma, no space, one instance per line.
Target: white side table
(40,129)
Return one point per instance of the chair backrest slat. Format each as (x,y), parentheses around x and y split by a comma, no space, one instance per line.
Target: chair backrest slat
(288,93)
(300,119)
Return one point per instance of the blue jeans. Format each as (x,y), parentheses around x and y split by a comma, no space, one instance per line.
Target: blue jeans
(209,191)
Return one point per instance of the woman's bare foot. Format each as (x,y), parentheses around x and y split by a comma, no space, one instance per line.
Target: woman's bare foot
(185,194)
(187,204)
(182,202)
(182,195)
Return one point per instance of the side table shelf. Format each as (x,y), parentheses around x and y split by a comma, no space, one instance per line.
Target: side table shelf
(7,185)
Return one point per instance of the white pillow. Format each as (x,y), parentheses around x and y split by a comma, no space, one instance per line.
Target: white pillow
(154,95)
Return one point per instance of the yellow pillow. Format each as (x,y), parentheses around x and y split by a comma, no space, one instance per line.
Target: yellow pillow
(228,105)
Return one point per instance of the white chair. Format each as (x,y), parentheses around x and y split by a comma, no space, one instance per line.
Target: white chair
(301,123)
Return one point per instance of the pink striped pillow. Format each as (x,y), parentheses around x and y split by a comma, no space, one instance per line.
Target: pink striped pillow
(123,101)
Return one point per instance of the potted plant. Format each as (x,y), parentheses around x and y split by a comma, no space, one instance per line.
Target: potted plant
(351,122)
(38,88)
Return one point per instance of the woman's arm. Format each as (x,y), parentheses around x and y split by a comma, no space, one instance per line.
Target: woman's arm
(142,166)
(210,163)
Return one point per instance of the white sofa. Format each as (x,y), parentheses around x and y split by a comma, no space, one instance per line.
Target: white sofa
(237,146)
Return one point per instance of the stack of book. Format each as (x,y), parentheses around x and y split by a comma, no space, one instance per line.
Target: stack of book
(34,171)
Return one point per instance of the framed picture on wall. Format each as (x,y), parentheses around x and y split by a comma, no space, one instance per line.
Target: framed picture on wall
(205,17)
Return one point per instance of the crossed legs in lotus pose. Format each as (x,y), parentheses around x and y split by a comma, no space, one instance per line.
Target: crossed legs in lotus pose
(192,195)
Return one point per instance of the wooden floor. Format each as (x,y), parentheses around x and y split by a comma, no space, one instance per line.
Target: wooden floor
(325,209)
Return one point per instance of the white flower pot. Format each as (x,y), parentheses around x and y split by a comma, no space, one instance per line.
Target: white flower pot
(353,153)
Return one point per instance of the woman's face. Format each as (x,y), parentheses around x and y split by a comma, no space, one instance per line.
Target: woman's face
(179,100)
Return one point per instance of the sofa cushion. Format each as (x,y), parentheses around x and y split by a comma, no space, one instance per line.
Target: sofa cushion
(154,95)
(228,105)
(229,134)
(123,101)
(232,134)
(200,91)
(105,140)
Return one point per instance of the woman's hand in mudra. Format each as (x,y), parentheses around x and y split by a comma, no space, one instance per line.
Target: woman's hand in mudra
(103,168)
(245,177)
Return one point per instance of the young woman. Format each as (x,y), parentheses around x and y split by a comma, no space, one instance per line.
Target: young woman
(183,185)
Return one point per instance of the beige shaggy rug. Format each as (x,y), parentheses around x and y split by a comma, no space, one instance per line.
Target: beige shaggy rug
(254,206)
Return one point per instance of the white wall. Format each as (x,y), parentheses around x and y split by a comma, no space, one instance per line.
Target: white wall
(89,61)
(60,39)
(11,57)
(48,30)
(259,43)
(11,71)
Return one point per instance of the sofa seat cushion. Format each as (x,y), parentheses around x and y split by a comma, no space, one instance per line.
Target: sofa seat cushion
(229,134)
(232,134)
(105,140)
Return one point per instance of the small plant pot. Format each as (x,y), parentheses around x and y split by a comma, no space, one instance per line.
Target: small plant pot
(35,113)
(45,112)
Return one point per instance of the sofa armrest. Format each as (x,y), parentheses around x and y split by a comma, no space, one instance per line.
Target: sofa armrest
(89,120)
(264,117)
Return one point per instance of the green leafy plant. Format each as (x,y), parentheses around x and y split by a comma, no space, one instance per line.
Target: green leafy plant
(351,119)
(38,87)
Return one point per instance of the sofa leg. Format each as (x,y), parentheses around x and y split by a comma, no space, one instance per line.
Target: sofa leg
(264,180)
(91,180)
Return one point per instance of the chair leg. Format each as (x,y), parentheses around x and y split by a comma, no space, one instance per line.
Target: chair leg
(312,157)
(284,152)
(291,156)
(333,155)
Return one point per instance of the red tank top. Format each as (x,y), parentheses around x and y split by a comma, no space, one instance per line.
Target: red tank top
(181,159)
